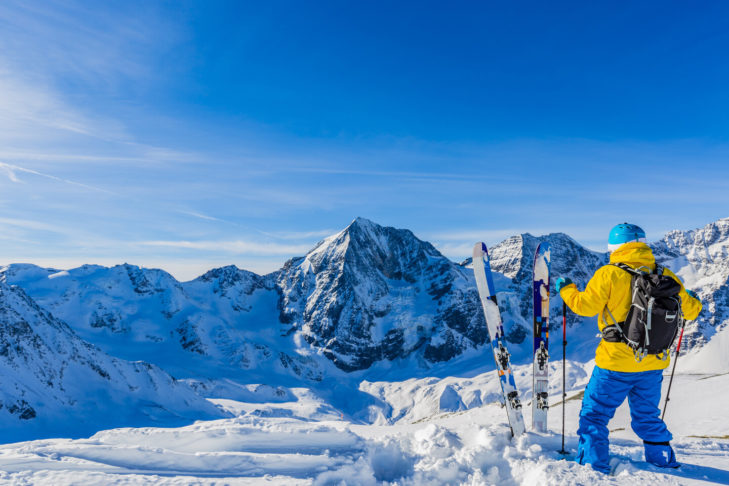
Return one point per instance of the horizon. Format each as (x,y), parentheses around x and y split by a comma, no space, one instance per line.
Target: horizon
(189,136)
(194,271)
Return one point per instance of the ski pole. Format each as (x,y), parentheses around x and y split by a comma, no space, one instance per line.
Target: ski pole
(670,382)
(564,373)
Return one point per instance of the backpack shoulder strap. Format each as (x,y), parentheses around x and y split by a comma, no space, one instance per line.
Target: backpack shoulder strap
(627,268)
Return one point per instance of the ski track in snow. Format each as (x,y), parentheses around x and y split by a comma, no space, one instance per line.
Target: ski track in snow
(295,442)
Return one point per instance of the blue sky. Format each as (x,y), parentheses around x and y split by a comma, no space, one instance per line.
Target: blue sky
(187,135)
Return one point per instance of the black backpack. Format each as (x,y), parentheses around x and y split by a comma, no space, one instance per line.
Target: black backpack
(654,317)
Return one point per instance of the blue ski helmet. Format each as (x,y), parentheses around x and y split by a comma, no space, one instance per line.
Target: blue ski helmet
(625,233)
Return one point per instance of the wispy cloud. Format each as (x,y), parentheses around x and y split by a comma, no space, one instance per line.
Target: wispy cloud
(203,216)
(33,111)
(478,235)
(300,235)
(63,68)
(32,224)
(11,170)
(75,125)
(455,252)
(104,47)
(10,173)
(389,174)
(234,247)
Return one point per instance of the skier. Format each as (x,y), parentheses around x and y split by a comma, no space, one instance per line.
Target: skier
(617,373)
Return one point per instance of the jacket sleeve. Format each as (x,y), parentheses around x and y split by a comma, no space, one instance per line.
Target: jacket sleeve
(689,306)
(593,300)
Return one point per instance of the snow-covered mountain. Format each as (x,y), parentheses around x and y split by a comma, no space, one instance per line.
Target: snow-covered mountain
(514,258)
(224,323)
(361,298)
(52,382)
(701,258)
(365,295)
(371,293)
(370,303)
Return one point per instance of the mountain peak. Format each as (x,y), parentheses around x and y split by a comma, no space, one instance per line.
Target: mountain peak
(363,223)
(227,271)
(365,227)
(362,240)
(513,257)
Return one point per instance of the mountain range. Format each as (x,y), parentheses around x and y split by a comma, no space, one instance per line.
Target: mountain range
(53,381)
(369,299)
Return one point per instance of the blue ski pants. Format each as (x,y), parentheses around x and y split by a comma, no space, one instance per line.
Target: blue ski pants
(603,395)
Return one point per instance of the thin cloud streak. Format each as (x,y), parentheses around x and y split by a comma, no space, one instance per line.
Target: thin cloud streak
(10,173)
(204,216)
(234,247)
(300,235)
(101,46)
(479,235)
(149,155)
(31,224)
(11,169)
(400,174)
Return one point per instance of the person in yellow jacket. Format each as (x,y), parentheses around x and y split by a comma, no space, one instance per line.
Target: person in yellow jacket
(617,373)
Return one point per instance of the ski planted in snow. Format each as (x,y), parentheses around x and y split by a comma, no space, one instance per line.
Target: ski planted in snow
(487,294)
(540,404)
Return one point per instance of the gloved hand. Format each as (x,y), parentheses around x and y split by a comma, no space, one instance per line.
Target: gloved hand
(561,282)
(693,294)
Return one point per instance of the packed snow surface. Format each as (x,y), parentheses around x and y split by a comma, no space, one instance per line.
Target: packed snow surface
(431,438)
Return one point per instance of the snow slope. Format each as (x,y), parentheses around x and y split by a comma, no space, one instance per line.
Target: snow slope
(222,323)
(360,363)
(295,443)
(52,382)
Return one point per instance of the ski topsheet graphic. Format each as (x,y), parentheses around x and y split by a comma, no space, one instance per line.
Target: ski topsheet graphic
(487,294)
(541,338)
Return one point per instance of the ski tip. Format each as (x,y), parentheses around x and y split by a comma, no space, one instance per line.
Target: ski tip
(542,247)
(480,247)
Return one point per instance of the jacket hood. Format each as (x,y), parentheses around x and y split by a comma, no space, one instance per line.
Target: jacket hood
(634,254)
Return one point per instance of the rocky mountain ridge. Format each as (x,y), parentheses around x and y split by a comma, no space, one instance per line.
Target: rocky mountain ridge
(372,293)
(366,296)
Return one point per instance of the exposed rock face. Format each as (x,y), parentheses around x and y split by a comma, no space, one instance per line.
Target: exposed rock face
(371,293)
(365,295)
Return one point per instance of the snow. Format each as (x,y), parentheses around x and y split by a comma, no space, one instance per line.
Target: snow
(55,383)
(401,421)
(431,438)
(712,358)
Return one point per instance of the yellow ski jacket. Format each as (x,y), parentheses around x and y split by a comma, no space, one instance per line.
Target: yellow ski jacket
(610,287)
